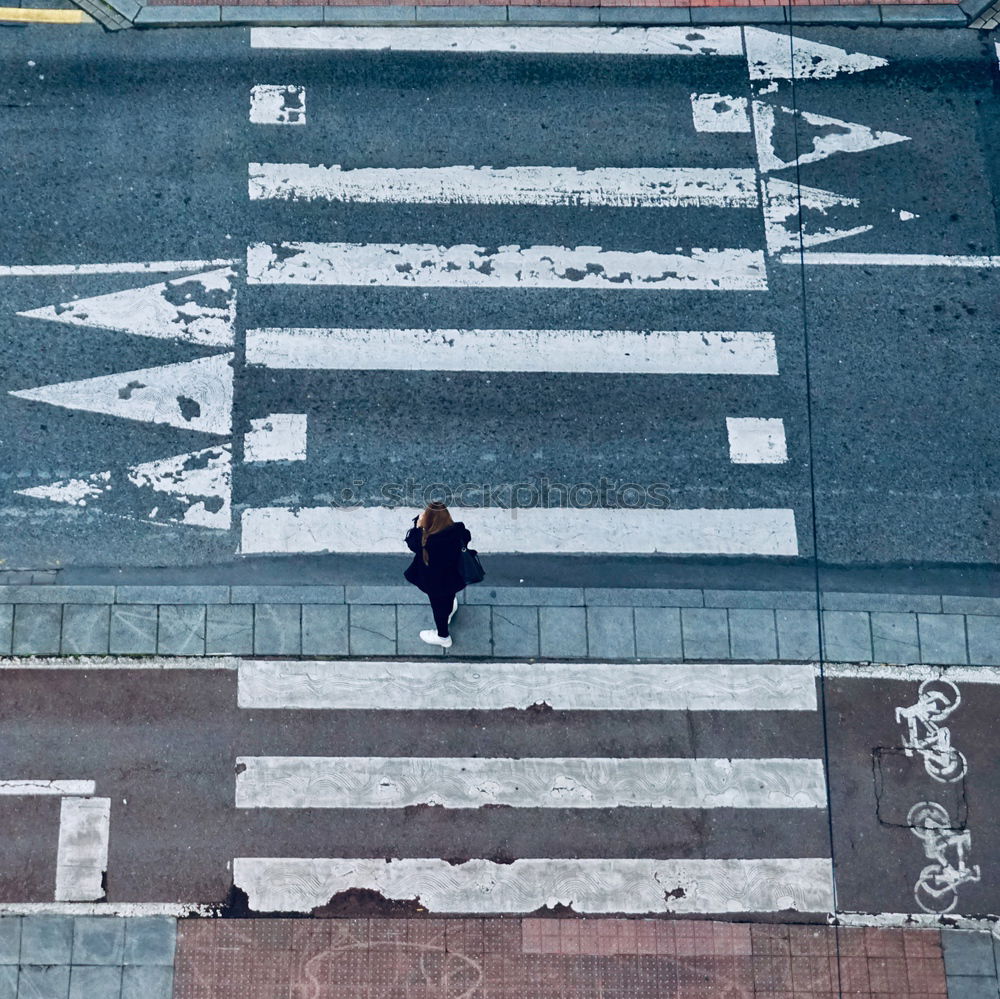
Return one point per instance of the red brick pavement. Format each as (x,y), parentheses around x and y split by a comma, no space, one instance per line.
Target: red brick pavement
(550,958)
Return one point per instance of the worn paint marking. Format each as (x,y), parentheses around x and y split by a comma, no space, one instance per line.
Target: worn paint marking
(890,260)
(277,105)
(719,113)
(786,205)
(775,56)
(25,788)
(756,441)
(277,437)
(141,267)
(84,831)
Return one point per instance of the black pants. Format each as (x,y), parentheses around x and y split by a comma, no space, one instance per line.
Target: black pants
(441,603)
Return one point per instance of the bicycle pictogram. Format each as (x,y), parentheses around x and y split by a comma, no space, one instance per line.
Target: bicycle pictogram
(936,889)
(936,700)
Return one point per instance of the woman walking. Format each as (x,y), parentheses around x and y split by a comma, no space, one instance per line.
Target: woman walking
(437,542)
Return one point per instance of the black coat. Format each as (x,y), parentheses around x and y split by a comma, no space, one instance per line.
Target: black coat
(442,572)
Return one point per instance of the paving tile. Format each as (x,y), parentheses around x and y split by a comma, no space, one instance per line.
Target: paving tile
(705,632)
(172,594)
(968,953)
(133,629)
(610,633)
(6,628)
(229,629)
(403,594)
(525,596)
(36,629)
(57,594)
(10,939)
(86,629)
(182,630)
(95,982)
(150,940)
(942,639)
(562,632)
(287,594)
(324,630)
(894,638)
(984,640)
(148,982)
(971,605)
(658,633)
(410,621)
(847,636)
(798,634)
(971,987)
(46,981)
(898,602)
(46,939)
(277,629)
(752,635)
(373,630)
(761,599)
(515,631)
(8,981)
(98,940)
(645,597)
(471,632)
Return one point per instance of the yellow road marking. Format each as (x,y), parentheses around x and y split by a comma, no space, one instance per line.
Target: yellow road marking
(44,15)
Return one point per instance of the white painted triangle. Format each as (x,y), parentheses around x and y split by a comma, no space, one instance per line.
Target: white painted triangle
(782,215)
(193,489)
(775,56)
(846,137)
(199,309)
(192,395)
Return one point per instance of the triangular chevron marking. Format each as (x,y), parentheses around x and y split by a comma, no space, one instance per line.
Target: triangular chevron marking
(192,395)
(770,56)
(193,489)
(199,309)
(781,207)
(842,137)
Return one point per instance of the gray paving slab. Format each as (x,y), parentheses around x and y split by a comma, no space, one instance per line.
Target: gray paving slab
(610,633)
(942,639)
(133,629)
(471,631)
(325,630)
(737,15)
(554,15)
(847,636)
(150,940)
(971,605)
(43,981)
(6,628)
(285,14)
(562,632)
(984,640)
(36,629)
(181,630)
(373,629)
(410,621)
(894,638)
(971,987)
(229,629)
(148,982)
(57,594)
(10,939)
(658,633)
(705,631)
(8,981)
(834,14)
(170,14)
(172,594)
(98,940)
(85,629)
(515,632)
(95,982)
(753,634)
(763,599)
(968,953)
(525,596)
(43,575)
(370,15)
(46,940)
(642,597)
(798,634)
(403,594)
(900,602)
(277,629)
(287,594)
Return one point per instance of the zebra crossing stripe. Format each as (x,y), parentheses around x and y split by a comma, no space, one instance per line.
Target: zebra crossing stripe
(663,352)
(537,530)
(424,265)
(578,41)
(458,686)
(593,886)
(537,782)
(641,187)
(82,860)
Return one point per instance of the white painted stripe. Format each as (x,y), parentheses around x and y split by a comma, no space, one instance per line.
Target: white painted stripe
(174,909)
(654,352)
(480,886)
(756,441)
(918,920)
(361,530)
(23,788)
(423,265)
(719,113)
(582,41)
(84,831)
(118,662)
(913,673)
(640,187)
(277,105)
(278,437)
(457,686)
(148,267)
(773,55)
(890,259)
(537,782)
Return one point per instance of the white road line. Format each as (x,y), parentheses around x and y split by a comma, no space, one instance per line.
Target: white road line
(278,437)
(480,886)
(176,910)
(23,788)
(540,530)
(457,686)
(84,830)
(756,441)
(914,673)
(89,663)
(581,41)
(149,267)
(399,782)
(277,105)
(664,352)
(890,259)
(424,265)
(773,55)
(640,187)
(719,113)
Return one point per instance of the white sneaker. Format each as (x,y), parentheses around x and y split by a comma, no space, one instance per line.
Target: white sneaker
(431,637)
(454,607)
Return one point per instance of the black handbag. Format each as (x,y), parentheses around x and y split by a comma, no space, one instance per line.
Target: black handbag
(469,565)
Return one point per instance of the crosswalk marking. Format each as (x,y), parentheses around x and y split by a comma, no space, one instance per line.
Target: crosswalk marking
(278,105)
(542,40)
(25,788)
(84,833)
(129,267)
(457,686)
(537,782)
(606,885)
(424,265)
(756,441)
(604,351)
(641,187)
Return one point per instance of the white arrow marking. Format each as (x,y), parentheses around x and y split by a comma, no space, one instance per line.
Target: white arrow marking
(719,113)
(773,56)
(846,137)
(427,266)
(277,105)
(148,267)
(890,260)
(192,395)
(782,202)
(200,309)
(670,187)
